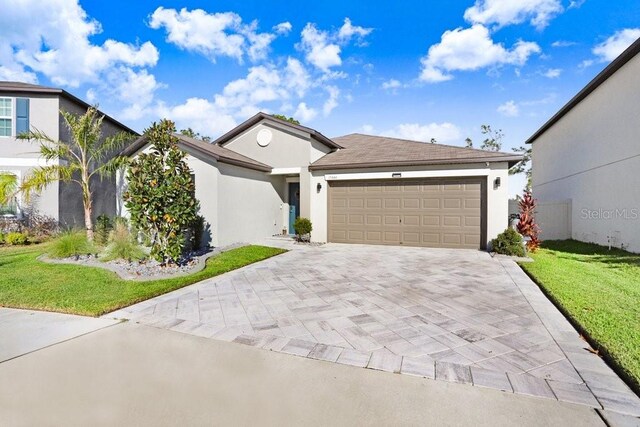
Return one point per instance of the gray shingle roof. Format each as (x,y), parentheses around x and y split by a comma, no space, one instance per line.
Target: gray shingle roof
(363,151)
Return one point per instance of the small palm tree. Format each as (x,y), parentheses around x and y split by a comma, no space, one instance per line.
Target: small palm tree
(85,156)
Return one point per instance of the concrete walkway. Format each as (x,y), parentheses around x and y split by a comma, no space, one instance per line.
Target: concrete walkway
(24,331)
(455,315)
(132,374)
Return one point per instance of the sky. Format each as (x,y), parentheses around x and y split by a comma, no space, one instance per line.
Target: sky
(410,69)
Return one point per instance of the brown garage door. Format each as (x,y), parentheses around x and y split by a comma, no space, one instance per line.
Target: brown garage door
(427,212)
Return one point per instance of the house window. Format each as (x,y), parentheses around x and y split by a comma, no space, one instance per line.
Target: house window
(6,116)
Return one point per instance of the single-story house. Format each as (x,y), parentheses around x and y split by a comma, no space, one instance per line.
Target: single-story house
(586,160)
(256,179)
(25,107)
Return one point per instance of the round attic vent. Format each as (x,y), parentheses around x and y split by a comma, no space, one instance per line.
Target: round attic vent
(264,137)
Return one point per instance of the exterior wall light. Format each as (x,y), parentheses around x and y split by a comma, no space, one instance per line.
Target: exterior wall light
(319,187)
(496,183)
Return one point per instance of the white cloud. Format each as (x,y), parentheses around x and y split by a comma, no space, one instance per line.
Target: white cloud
(319,51)
(562,43)
(616,44)
(391,84)
(509,12)
(470,49)
(441,132)
(509,109)
(366,128)
(199,114)
(552,73)
(575,4)
(213,34)
(264,88)
(283,28)
(332,101)
(52,38)
(304,113)
(322,48)
(348,30)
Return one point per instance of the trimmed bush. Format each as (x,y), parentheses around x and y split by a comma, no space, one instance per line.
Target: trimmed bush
(122,245)
(16,239)
(70,244)
(303,227)
(509,242)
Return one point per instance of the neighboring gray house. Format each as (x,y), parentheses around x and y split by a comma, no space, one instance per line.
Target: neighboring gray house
(255,180)
(25,106)
(586,160)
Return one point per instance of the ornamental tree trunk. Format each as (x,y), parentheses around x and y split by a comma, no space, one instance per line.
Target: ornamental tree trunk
(88,221)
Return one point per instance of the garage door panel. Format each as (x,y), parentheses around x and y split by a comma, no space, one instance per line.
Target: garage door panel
(392,203)
(427,212)
(411,220)
(451,221)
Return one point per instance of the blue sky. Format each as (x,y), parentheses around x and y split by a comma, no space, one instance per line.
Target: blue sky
(412,69)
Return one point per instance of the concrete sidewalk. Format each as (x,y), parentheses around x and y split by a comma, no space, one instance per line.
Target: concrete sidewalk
(140,375)
(24,331)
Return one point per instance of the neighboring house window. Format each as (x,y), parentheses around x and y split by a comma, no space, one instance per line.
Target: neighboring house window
(6,116)
(8,183)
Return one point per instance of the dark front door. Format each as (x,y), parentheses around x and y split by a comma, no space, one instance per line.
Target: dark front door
(294,204)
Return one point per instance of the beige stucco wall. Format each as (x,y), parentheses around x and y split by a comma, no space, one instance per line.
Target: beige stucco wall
(289,148)
(238,204)
(497,198)
(250,205)
(591,157)
(20,157)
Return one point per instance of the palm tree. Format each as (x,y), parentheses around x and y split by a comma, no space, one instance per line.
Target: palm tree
(85,156)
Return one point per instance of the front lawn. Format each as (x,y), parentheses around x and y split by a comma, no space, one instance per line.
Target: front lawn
(599,290)
(26,282)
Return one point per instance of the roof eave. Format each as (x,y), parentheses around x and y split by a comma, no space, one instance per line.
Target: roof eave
(512,160)
(614,66)
(73,98)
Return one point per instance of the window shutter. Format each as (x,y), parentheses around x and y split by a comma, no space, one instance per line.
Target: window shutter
(22,115)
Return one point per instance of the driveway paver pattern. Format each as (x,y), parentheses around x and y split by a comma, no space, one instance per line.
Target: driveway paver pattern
(455,315)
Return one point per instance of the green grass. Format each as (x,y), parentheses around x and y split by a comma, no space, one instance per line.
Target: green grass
(26,282)
(599,290)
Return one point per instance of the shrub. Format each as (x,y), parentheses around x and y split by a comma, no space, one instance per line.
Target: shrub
(15,239)
(509,242)
(527,225)
(160,194)
(303,227)
(38,226)
(103,228)
(70,244)
(122,245)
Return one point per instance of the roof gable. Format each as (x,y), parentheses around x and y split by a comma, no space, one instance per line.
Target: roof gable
(259,117)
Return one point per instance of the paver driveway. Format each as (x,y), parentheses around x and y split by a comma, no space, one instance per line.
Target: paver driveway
(457,315)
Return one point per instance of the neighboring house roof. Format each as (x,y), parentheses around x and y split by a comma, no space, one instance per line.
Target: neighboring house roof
(19,87)
(366,151)
(614,66)
(227,137)
(220,154)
